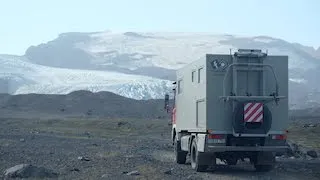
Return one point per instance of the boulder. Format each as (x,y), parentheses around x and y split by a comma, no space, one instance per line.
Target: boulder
(29,171)
(312,153)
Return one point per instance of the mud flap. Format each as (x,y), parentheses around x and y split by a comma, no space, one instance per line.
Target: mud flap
(208,159)
(201,142)
(265,158)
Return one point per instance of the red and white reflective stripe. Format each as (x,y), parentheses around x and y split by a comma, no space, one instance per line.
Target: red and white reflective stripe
(253,112)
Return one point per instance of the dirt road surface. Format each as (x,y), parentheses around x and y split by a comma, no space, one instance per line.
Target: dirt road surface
(112,148)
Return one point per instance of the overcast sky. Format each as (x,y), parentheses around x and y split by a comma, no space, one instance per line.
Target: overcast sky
(31,22)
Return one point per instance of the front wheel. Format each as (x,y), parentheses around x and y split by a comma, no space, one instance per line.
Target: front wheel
(196,156)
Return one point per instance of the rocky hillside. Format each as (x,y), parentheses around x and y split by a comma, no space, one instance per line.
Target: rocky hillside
(80,103)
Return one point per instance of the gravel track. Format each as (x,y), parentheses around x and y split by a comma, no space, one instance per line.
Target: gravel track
(111,157)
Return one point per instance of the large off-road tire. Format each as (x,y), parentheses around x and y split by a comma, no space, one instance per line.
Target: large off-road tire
(196,158)
(180,155)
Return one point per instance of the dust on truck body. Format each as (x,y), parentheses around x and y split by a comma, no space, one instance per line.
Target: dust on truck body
(231,107)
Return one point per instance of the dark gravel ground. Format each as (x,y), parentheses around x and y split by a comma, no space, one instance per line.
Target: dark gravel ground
(115,147)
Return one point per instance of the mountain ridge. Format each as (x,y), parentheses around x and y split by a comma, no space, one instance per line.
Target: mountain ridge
(158,55)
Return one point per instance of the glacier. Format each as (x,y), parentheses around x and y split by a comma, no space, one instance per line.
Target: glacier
(25,77)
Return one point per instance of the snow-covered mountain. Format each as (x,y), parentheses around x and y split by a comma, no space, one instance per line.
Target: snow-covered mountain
(132,51)
(141,64)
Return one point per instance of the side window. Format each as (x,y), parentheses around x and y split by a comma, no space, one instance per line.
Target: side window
(200,74)
(180,86)
(193,75)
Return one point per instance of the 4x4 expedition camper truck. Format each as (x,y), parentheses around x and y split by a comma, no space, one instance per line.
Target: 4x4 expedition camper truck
(230,106)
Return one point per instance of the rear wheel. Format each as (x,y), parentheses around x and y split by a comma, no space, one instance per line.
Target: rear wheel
(181,156)
(196,156)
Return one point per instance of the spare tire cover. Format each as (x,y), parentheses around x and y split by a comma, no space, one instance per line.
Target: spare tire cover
(240,126)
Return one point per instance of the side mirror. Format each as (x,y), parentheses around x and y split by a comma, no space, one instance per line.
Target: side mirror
(166,102)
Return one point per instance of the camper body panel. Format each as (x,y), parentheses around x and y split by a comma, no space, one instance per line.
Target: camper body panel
(280,111)
(219,114)
(191,98)
(258,83)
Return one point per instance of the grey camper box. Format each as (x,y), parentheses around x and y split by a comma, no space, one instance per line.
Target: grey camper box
(231,106)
